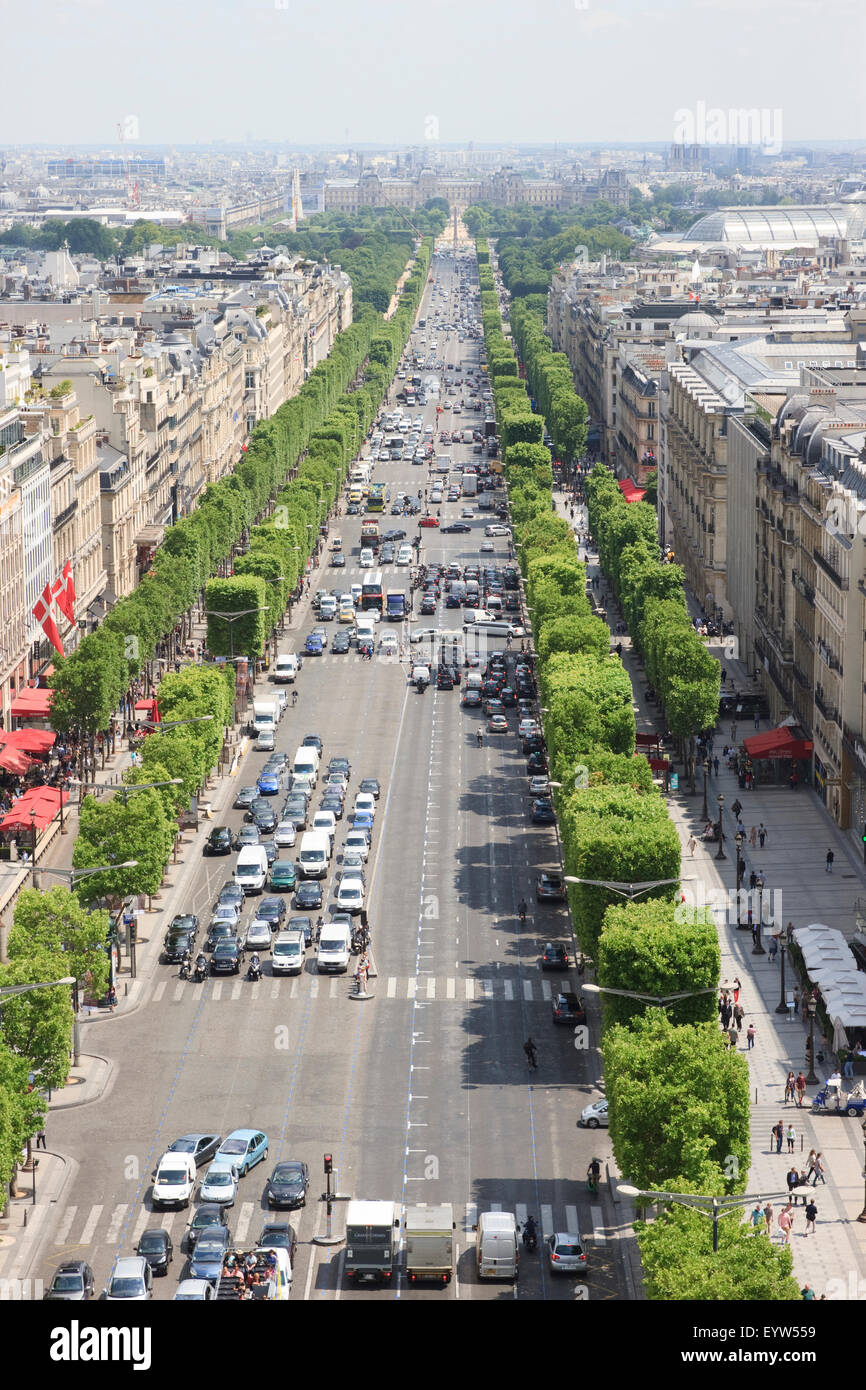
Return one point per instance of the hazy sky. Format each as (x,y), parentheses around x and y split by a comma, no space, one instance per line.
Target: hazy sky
(564,70)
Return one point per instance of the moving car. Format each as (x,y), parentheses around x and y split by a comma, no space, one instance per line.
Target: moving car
(219,841)
(285,834)
(542,811)
(283,876)
(244,1148)
(565,1253)
(208,1216)
(258,935)
(194,1291)
(568,1008)
(245,797)
(206,1261)
(550,888)
(288,953)
(594,1116)
(226,958)
(370,785)
(155,1246)
(202,1147)
(309,895)
(220,1184)
(554,957)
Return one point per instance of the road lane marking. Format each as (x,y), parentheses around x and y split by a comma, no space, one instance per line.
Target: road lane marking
(470,989)
(547,1226)
(392,987)
(450,988)
(178,992)
(236,989)
(571,1223)
(411,985)
(158,992)
(314,986)
(546,991)
(90,1225)
(64,1227)
(243,1225)
(217,992)
(115,1223)
(509,989)
(598,1231)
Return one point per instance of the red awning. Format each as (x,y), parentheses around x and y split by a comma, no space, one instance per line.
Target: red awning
(630,492)
(45,801)
(29,740)
(659,764)
(148,708)
(31,703)
(14,760)
(777,743)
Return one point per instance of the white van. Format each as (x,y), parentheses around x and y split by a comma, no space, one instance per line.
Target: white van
(251,870)
(367,559)
(306,763)
(473,681)
(328,608)
(497,1251)
(365,629)
(334,949)
(315,853)
(173,1181)
(327,821)
(479,620)
(287,953)
(286,668)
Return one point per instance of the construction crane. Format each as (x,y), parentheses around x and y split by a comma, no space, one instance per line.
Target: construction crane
(133,197)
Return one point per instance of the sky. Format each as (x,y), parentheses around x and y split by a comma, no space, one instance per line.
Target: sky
(516,71)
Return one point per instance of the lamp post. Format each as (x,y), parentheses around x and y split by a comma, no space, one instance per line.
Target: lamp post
(721,854)
(125,788)
(782,1006)
(627,890)
(706,775)
(661,999)
(758,948)
(812,1008)
(9,991)
(713,1207)
(738,841)
(231,619)
(161,726)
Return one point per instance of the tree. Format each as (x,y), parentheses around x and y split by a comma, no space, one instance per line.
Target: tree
(38,1025)
(22,1111)
(113,833)
(54,922)
(646,948)
(679,1105)
(679,1262)
(241,636)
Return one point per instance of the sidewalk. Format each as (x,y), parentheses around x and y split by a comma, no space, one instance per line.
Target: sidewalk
(799,889)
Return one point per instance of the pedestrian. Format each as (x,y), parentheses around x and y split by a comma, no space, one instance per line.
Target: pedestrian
(830,856)
(757,721)
(112,998)
(790,1088)
(819,1171)
(800,1085)
(732,1038)
(757,1215)
(753,836)
(792,1178)
(737,988)
(738,1017)
(762,834)
(811,1216)
(716,766)
(786,1221)
(725,1015)
(789,932)
(848,1067)
(736,808)
(753,881)
(691,845)
(768,1218)
(807,1292)
(531,1053)
(40,1138)
(791,1137)
(750,1041)
(773,949)
(810,1163)
(777,1133)
(796,999)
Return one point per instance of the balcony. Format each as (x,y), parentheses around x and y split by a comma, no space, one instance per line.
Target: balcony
(828,569)
(830,712)
(804,589)
(801,678)
(66,515)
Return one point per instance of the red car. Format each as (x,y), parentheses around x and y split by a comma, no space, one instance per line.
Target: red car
(428,520)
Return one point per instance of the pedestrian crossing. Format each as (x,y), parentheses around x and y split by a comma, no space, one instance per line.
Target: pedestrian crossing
(122,1224)
(424,988)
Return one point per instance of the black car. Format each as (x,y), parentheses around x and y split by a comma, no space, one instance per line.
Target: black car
(279,1235)
(308,895)
(201,1146)
(554,957)
(428,606)
(287,1185)
(226,958)
(312,741)
(511,603)
(550,888)
(394,535)
(230,892)
(156,1247)
(72,1283)
(340,765)
(568,1008)
(178,942)
(353,509)
(265,819)
(532,743)
(456,528)
(543,812)
(386,554)
(340,644)
(535,763)
(444,680)
(471,699)
(295,810)
(304,924)
(220,931)
(333,802)
(219,841)
(209,1214)
(272,909)
(370,785)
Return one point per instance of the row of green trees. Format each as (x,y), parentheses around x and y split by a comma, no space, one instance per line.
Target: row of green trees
(679,1101)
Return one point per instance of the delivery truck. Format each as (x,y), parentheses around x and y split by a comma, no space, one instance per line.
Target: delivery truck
(372,1231)
(429,1242)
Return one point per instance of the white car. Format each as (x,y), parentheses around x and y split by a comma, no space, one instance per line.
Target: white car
(367,559)
(388,644)
(486,547)
(365,802)
(527,727)
(220,1184)
(131,1279)
(226,912)
(357,843)
(428,429)
(356,594)
(422,634)
(594,1116)
(467,513)
(496,529)
(285,834)
(194,1291)
(258,935)
(436,495)
(350,895)
(265,742)
(404,555)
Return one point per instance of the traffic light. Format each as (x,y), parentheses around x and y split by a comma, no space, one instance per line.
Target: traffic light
(329,1164)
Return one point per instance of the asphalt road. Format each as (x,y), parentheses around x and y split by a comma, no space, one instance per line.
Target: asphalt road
(421,1093)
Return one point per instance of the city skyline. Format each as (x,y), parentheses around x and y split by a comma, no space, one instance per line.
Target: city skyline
(570,71)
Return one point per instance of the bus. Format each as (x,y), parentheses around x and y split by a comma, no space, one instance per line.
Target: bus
(372,593)
(379,494)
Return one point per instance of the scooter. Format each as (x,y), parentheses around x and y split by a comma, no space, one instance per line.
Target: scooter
(200,972)
(184,970)
(254,973)
(530,1239)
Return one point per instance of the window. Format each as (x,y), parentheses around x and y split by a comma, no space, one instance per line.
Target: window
(249,381)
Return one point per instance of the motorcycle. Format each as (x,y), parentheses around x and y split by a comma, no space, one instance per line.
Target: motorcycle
(200,970)
(184,970)
(254,973)
(530,1237)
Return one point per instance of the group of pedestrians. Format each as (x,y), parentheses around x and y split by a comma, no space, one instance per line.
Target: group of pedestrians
(763,1217)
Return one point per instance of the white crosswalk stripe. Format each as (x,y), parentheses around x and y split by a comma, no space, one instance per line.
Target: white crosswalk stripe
(140,1223)
(314,986)
(571,1222)
(159,991)
(410,987)
(431,987)
(521,1211)
(547,1226)
(179,990)
(90,1226)
(112,1235)
(471,1217)
(217,992)
(247,1209)
(236,989)
(392,987)
(65,1226)
(450,989)
(510,989)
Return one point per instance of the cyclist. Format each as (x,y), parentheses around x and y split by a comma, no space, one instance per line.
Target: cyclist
(531,1053)
(521,909)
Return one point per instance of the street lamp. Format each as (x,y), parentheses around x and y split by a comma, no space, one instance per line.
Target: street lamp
(713,1207)
(125,788)
(721,854)
(706,775)
(8,991)
(158,726)
(782,1006)
(812,1009)
(758,948)
(738,841)
(232,618)
(662,999)
(628,890)
(33,831)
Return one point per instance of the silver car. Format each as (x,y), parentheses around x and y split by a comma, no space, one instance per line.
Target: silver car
(258,936)
(565,1253)
(594,1116)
